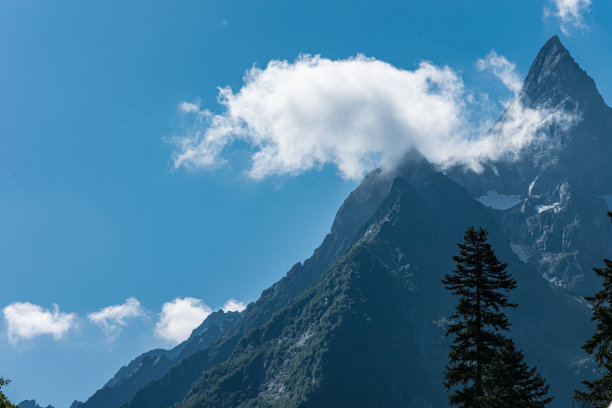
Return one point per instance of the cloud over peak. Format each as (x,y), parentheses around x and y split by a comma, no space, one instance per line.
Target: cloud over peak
(355,113)
(26,320)
(302,115)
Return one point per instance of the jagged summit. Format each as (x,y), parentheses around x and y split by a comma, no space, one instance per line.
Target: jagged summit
(550,56)
(582,153)
(560,177)
(556,78)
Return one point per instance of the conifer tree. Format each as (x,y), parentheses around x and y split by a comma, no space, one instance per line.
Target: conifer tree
(599,392)
(481,282)
(509,382)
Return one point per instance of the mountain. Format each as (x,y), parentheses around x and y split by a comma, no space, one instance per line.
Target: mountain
(168,384)
(362,322)
(559,223)
(369,332)
(354,212)
(154,364)
(31,404)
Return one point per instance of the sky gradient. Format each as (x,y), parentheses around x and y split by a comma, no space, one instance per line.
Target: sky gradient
(92,212)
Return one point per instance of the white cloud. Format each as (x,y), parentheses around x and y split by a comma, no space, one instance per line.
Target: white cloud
(112,319)
(189,107)
(233,305)
(502,69)
(26,320)
(355,114)
(570,12)
(179,317)
(518,128)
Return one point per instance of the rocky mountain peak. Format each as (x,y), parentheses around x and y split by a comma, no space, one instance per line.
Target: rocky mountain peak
(552,55)
(556,79)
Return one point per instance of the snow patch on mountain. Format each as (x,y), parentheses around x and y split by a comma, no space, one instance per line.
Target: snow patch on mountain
(554,206)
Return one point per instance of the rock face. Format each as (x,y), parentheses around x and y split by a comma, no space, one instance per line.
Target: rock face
(561,223)
(361,323)
(154,364)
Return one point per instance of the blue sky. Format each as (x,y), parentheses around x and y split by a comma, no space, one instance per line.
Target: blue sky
(93,208)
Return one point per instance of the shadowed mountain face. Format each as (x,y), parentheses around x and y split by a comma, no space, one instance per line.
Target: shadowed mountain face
(561,223)
(169,373)
(361,323)
(352,215)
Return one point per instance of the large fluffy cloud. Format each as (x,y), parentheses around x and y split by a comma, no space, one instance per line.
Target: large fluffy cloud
(570,12)
(355,114)
(113,318)
(26,320)
(179,317)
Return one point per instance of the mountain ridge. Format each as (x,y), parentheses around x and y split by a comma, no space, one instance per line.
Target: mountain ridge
(353,213)
(154,364)
(311,353)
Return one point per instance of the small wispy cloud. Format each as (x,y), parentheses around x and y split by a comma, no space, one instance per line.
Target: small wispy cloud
(179,317)
(570,12)
(517,128)
(189,107)
(26,320)
(233,305)
(112,319)
(503,69)
(354,114)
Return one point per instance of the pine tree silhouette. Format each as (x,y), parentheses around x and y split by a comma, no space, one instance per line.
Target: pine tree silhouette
(599,394)
(485,368)
(509,382)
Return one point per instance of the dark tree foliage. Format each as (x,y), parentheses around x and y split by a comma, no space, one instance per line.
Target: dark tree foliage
(485,369)
(481,282)
(4,402)
(509,382)
(599,392)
